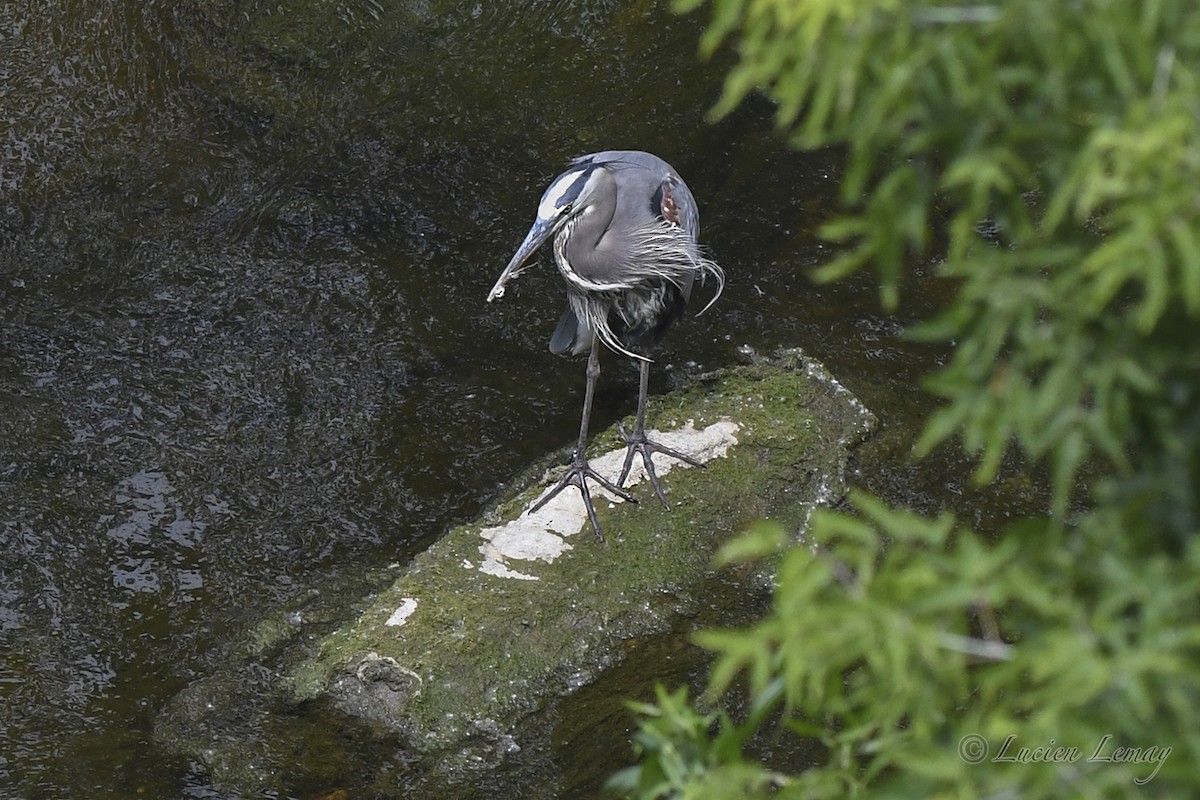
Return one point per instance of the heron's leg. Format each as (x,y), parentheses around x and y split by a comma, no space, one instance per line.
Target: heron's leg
(638,443)
(580,470)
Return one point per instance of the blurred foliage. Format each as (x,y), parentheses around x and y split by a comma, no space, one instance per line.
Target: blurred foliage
(1046,156)
(913,650)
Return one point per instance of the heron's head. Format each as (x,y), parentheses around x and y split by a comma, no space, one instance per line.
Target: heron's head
(568,196)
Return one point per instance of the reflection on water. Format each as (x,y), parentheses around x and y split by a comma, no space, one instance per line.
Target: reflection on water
(243,346)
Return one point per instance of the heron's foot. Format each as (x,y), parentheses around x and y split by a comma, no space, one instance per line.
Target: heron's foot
(638,443)
(577,475)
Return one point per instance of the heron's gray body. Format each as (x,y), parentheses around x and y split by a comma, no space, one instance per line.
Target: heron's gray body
(625,228)
(629,263)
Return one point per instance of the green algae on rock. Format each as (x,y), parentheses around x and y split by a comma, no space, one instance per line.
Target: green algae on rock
(503,616)
(505,612)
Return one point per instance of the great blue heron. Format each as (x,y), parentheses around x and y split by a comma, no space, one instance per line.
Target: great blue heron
(625,229)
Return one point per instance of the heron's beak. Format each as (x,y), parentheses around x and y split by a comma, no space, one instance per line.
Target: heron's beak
(537,235)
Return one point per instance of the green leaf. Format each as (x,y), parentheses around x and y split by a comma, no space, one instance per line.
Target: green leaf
(1187,249)
(763,539)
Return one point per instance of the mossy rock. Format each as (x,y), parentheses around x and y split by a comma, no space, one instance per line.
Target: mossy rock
(493,618)
(504,615)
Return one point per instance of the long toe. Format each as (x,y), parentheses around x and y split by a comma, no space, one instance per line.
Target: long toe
(673,453)
(577,475)
(648,463)
(647,447)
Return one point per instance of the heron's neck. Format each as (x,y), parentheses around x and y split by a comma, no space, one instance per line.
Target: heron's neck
(589,241)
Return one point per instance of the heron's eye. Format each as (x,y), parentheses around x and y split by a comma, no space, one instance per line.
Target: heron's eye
(567,208)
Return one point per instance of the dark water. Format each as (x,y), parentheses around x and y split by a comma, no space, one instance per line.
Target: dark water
(244,351)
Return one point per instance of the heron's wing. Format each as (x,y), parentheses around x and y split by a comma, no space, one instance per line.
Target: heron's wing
(676,205)
(566,334)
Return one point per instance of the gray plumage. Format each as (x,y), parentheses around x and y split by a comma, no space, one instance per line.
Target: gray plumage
(626,234)
(626,230)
